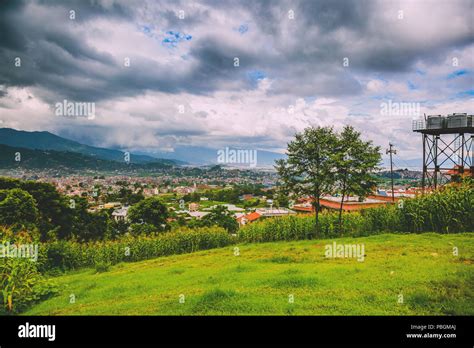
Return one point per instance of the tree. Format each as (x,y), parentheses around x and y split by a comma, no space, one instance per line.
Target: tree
(88,226)
(17,207)
(355,161)
(149,211)
(309,169)
(220,216)
(54,211)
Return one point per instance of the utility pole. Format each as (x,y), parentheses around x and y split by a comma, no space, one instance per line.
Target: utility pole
(391,151)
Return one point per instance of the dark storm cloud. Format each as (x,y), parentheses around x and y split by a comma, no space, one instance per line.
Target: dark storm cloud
(304,56)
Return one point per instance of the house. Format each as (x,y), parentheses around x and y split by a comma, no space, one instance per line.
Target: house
(230,207)
(121,214)
(198,214)
(245,219)
(112,205)
(273,212)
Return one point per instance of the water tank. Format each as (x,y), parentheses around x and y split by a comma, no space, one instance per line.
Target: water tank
(435,122)
(459,120)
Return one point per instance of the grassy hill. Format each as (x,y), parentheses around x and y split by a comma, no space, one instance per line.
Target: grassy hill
(260,280)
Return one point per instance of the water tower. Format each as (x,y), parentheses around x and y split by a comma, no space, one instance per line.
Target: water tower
(447,147)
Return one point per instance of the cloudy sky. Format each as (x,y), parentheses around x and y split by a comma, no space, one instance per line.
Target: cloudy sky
(165,73)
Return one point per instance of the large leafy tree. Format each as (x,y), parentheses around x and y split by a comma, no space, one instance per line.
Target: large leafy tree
(220,216)
(54,211)
(149,211)
(88,226)
(17,207)
(309,168)
(355,161)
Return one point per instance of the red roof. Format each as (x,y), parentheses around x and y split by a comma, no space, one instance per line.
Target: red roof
(249,217)
(252,216)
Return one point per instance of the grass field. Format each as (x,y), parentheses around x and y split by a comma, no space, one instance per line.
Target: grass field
(259,281)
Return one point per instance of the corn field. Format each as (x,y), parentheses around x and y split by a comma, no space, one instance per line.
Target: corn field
(448,210)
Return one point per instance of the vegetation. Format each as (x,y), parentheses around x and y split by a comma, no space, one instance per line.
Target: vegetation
(21,283)
(67,255)
(308,171)
(355,161)
(151,212)
(260,280)
(219,216)
(448,210)
(321,162)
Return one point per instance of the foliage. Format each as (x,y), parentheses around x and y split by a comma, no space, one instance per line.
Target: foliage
(88,226)
(17,207)
(65,255)
(448,210)
(150,211)
(355,161)
(219,216)
(54,211)
(21,283)
(309,169)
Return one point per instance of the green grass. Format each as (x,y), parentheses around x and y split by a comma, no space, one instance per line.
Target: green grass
(260,280)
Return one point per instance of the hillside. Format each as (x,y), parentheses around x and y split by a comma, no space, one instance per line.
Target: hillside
(260,280)
(44,159)
(49,141)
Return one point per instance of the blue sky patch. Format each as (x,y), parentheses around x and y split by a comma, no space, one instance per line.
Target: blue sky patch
(464,94)
(243,28)
(458,73)
(172,38)
(256,75)
(411,85)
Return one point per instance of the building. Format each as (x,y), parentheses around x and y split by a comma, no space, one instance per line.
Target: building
(248,218)
(230,207)
(121,214)
(198,214)
(350,203)
(274,212)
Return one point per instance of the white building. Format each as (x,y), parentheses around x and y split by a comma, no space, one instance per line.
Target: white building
(121,214)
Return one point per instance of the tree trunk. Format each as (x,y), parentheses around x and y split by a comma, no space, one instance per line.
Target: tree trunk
(342,202)
(316,208)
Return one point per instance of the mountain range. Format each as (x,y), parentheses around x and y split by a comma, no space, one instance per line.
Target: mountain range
(52,145)
(49,141)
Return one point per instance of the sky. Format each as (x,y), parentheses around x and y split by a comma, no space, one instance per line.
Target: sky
(246,74)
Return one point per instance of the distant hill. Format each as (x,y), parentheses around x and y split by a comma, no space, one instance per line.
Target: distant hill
(49,141)
(50,159)
(402,174)
(206,156)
